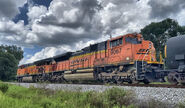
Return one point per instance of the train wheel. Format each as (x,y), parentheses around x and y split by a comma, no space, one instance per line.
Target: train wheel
(105,80)
(172,79)
(119,80)
(146,81)
(113,79)
(182,83)
(100,77)
(133,79)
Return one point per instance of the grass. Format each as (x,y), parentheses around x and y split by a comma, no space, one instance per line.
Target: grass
(20,97)
(160,83)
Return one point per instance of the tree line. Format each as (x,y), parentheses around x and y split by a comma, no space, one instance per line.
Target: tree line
(160,32)
(9,60)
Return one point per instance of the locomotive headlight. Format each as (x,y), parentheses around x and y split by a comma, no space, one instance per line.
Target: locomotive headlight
(127,58)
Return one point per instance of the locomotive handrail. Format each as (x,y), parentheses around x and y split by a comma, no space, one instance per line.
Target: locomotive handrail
(145,56)
(142,60)
(138,57)
(137,61)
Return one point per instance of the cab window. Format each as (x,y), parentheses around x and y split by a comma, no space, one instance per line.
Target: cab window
(116,42)
(132,40)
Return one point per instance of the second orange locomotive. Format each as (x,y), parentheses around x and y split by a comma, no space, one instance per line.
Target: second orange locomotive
(119,59)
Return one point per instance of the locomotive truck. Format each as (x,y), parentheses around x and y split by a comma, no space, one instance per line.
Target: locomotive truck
(127,58)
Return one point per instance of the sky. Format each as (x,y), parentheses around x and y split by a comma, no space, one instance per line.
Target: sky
(45,28)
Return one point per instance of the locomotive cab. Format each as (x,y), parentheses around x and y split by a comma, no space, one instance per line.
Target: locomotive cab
(125,59)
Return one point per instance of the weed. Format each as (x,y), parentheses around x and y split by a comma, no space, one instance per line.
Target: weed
(116,96)
(181,105)
(3,87)
(20,97)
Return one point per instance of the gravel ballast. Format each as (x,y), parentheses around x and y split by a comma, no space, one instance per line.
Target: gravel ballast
(167,95)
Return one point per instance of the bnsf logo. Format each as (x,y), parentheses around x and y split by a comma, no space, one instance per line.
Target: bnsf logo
(143,51)
(115,51)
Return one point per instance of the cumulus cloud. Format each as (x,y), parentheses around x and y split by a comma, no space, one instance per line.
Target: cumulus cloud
(165,8)
(53,51)
(120,17)
(9,8)
(69,19)
(12,33)
(47,52)
(35,12)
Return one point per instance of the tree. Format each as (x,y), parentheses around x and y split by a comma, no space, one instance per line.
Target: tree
(9,59)
(159,32)
(8,66)
(14,50)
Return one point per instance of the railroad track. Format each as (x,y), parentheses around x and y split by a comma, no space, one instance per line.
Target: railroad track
(155,85)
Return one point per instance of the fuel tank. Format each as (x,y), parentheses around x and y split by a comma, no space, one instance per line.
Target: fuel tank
(27,79)
(79,76)
(175,51)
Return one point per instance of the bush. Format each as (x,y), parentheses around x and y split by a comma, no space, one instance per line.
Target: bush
(116,96)
(181,105)
(110,98)
(4,87)
(20,97)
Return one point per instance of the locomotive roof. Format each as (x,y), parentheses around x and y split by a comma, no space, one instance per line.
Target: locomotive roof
(26,65)
(62,55)
(43,60)
(127,35)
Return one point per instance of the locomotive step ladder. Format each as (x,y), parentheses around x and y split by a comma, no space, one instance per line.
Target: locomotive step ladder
(140,69)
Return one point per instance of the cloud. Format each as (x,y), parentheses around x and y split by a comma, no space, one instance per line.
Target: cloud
(180,17)
(120,17)
(35,12)
(12,33)
(46,53)
(9,8)
(71,14)
(69,25)
(53,51)
(20,3)
(68,22)
(165,8)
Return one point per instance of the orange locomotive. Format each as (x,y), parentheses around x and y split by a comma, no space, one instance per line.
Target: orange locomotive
(118,59)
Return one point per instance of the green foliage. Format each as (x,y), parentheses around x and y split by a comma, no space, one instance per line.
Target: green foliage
(159,32)
(17,52)
(114,97)
(20,97)
(3,87)
(8,66)
(9,59)
(181,105)
(120,97)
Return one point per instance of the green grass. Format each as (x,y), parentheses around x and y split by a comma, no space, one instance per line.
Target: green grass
(160,83)
(20,97)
